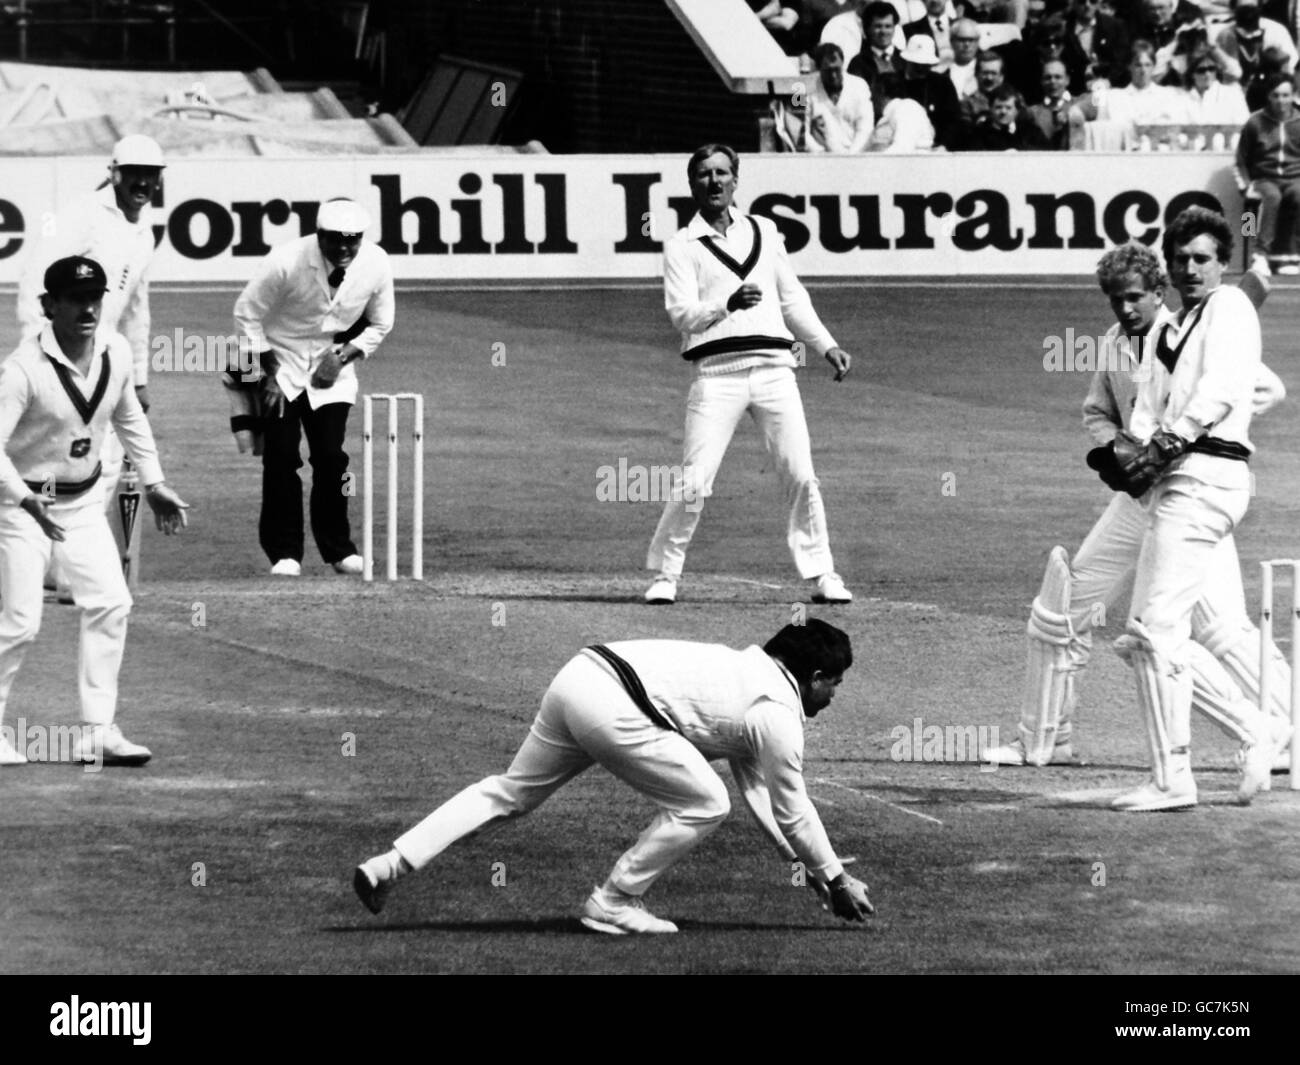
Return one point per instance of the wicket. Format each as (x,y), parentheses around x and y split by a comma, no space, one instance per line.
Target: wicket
(1266,645)
(417,476)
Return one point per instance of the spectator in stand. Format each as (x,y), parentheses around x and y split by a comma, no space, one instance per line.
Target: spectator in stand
(1002,130)
(1142,102)
(880,53)
(1248,36)
(988,78)
(1268,168)
(1052,115)
(903,125)
(932,91)
(1096,46)
(1273,61)
(1193,38)
(782,21)
(814,14)
(1160,20)
(965,46)
(840,117)
(937,25)
(1209,101)
(1047,41)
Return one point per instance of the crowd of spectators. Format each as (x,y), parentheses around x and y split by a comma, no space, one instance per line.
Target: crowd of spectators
(1018,74)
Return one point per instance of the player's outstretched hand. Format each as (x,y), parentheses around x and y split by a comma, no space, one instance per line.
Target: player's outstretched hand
(168,508)
(841,360)
(37,507)
(822,889)
(849,898)
(748,295)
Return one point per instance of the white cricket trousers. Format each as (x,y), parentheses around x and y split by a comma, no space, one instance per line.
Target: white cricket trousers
(88,561)
(586,717)
(1189,520)
(714,407)
(1103,568)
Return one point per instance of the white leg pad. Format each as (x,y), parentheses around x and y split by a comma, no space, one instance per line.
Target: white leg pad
(1055,651)
(1216,696)
(1164,698)
(1235,643)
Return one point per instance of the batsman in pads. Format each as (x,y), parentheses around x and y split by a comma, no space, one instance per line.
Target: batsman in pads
(654,713)
(1078,594)
(59,393)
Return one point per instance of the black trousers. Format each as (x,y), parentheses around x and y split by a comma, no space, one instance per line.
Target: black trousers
(280,527)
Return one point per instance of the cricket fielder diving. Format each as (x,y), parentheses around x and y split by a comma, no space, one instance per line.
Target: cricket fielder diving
(654,713)
(1079,593)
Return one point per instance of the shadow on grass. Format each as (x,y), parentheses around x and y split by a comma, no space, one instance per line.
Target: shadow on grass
(572,926)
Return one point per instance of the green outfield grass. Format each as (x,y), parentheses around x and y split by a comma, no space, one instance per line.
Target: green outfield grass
(298,726)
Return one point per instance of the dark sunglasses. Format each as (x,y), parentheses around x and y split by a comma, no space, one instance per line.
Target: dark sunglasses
(1207,70)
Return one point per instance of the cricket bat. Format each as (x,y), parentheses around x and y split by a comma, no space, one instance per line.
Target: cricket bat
(127,531)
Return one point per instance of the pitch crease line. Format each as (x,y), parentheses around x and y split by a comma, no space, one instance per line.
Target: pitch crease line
(876,798)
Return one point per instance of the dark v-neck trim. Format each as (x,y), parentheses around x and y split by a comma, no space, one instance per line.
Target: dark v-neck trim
(86,408)
(741,270)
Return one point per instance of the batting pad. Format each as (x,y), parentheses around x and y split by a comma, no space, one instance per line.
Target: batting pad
(1216,696)
(1164,697)
(1235,643)
(1052,657)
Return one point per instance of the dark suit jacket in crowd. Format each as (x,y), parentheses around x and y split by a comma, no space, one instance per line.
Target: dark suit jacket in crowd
(935,92)
(1110,43)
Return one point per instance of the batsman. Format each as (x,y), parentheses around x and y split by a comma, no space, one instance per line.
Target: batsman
(1078,594)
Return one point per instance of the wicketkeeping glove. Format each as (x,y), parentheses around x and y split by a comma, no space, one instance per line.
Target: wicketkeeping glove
(1142,463)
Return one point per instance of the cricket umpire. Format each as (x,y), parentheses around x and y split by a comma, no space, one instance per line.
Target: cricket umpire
(731,291)
(315,307)
(59,392)
(654,713)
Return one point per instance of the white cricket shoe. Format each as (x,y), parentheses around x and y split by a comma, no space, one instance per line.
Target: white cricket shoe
(9,755)
(628,918)
(352,564)
(1259,761)
(1259,263)
(1013,753)
(662,591)
(287,567)
(828,588)
(371,884)
(1150,797)
(105,745)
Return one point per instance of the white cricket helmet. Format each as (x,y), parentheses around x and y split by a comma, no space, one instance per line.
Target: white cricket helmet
(137,150)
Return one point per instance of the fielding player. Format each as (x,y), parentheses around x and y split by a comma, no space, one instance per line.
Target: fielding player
(654,712)
(1186,451)
(314,307)
(1078,593)
(114,227)
(59,391)
(729,287)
